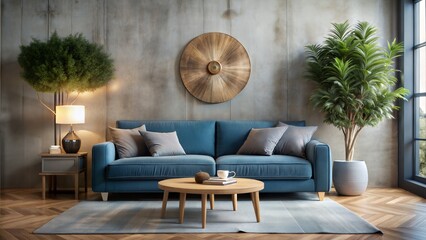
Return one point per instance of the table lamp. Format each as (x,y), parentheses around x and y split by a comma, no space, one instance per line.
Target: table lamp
(70,114)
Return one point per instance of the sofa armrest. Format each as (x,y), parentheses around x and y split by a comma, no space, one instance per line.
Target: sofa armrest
(102,155)
(319,154)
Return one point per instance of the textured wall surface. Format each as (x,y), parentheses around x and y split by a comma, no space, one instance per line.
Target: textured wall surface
(145,39)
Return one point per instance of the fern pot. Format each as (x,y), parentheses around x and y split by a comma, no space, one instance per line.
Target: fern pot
(350,178)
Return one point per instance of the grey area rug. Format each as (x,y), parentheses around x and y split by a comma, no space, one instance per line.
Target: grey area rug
(277,216)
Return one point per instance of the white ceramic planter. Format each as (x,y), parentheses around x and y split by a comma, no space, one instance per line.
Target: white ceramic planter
(350,178)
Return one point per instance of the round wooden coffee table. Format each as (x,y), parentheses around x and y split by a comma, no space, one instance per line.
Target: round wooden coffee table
(189,186)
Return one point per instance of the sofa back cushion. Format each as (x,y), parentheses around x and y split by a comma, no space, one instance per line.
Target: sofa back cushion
(196,137)
(230,135)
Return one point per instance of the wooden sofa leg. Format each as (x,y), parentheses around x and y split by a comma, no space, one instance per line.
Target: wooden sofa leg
(104,196)
(321,195)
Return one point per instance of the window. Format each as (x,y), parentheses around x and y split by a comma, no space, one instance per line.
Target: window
(412,118)
(419,69)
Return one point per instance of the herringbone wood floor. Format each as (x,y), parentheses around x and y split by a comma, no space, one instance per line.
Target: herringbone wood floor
(399,214)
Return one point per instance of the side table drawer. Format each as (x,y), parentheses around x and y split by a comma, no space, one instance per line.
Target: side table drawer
(62,164)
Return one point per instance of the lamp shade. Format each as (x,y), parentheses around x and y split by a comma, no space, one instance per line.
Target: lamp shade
(70,114)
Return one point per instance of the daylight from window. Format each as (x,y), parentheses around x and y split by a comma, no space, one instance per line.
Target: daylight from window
(420,75)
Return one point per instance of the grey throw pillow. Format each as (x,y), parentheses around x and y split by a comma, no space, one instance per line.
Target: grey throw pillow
(262,141)
(129,142)
(162,144)
(294,140)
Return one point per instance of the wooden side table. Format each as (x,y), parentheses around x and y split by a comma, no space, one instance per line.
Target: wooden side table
(61,164)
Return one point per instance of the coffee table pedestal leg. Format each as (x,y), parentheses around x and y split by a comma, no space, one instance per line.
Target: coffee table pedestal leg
(234,202)
(211,201)
(164,206)
(255,200)
(203,210)
(182,199)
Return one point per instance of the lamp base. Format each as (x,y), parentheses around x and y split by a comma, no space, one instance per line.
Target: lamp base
(71,142)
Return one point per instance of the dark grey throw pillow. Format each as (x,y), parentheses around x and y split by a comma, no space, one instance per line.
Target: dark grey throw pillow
(262,141)
(294,140)
(129,142)
(162,144)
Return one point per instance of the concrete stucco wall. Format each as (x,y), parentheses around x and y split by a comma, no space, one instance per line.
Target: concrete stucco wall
(145,39)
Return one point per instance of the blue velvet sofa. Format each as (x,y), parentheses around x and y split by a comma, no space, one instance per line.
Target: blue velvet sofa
(210,146)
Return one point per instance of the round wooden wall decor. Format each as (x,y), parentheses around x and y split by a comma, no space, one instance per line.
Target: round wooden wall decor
(214,67)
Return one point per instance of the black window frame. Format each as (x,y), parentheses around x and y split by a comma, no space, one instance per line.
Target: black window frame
(408,115)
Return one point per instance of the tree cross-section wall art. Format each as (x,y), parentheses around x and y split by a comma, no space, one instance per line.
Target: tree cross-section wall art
(215,67)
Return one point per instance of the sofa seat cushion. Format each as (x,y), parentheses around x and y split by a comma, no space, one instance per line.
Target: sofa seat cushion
(160,167)
(275,167)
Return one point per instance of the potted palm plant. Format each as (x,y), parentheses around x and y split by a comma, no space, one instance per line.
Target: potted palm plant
(355,80)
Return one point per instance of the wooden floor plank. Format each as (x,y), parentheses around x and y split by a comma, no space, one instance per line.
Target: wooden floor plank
(398,213)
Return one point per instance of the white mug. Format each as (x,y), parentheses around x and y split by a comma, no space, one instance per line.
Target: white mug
(225,174)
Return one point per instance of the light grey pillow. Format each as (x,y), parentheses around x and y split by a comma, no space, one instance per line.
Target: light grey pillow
(162,144)
(262,141)
(129,142)
(294,140)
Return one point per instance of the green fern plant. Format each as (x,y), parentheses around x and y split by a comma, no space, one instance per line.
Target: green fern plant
(355,79)
(65,65)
